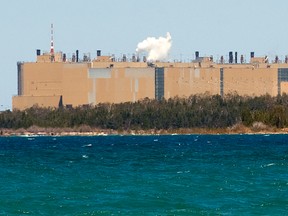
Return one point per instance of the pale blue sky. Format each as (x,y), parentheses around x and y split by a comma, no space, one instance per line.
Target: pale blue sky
(209,26)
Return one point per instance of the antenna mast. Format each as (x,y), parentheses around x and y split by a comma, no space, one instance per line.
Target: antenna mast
(52,45)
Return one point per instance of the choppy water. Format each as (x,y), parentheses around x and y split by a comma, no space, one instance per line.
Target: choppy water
(144,175)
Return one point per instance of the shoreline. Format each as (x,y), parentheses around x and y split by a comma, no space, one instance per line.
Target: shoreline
(87,131)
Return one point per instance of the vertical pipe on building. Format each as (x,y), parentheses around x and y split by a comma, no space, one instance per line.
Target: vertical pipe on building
(98,53)
(252,55)
(222,60)
(230,57)
(77,55)
(64,57)
(38,52)
(159,83)
(196,55)
(242,59)
(124,58)
(236,57)
(20,80)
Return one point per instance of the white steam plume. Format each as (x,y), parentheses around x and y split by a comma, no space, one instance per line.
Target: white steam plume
(157,48)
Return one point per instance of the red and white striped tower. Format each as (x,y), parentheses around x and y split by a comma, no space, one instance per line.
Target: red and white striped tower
(52,45)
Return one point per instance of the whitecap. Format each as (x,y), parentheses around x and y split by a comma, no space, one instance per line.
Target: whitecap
(88,145)
(155,140)
(268,165)
(85,156)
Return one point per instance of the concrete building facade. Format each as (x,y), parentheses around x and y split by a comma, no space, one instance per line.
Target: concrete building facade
(57,81)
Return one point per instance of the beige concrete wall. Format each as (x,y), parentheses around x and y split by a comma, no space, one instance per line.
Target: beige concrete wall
(96,82)
(42,79)
(251,82)
(110,64)
(73,82)
(24,102)
(49,79)
(284,87)
(115,85)
(184,82)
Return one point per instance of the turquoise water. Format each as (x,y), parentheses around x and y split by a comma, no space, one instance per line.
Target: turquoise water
(144,175)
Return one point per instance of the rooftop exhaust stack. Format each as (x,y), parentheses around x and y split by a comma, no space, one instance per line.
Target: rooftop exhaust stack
(236,57)
(52,45)
(64,57)
(196,55)
(98,53)
(230,57)
(242,59)
(38,52)
(77,55)
(252,54)
(124,58)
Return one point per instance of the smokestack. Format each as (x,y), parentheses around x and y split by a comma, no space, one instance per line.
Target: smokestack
(230,57)
(52,56)
(252,54)
(196,55)
(222,60)
(77,55)
(38,52)
(124,59)
(98,53)
(73,57)
(242,59)
(52,42)
(236,60)
(276,59)
(64,57)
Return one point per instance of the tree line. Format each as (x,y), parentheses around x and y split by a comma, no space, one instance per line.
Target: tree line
(196,111)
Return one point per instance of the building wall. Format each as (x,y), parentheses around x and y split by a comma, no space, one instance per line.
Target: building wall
(43,83)
(24,102)
(76,84)
(184,82)
(117,85)
(250,81)
(79,84)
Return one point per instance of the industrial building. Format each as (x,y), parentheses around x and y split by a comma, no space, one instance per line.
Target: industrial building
(55,80)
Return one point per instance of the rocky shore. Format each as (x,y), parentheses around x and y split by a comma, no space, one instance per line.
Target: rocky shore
(257,128)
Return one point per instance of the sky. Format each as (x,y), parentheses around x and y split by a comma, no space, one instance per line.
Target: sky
(116,27)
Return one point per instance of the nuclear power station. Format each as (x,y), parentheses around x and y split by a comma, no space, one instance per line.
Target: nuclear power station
(55,80)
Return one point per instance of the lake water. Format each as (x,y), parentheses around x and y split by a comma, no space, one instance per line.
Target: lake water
(144,175)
